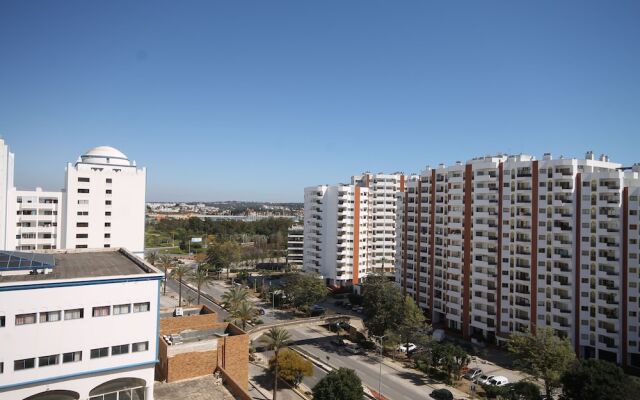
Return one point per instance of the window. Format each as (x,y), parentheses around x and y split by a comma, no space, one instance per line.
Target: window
(117,350)
(107,224)
(107,235)
(74,314)
(101,311)
(25,319)
(107,202)
(109,191)
(27,363)
(2,321)
(109,180)
(106,246)
(83,179)
(45,361)
(82,224)
(72,357)
(107,213)
(141,346)
(83,213)
(141,307)
(81,246)
(1,367)
(82,235)
(99,353)
(50,316)
(83,190)
(122,309)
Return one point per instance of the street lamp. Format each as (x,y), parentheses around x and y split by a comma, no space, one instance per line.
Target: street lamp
(380,376)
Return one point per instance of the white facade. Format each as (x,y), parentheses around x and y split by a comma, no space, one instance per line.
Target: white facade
(54,336)
(295,246)
(102,205)
(500,245)
(349,229)
(6,185)
(104,200)
(36,220)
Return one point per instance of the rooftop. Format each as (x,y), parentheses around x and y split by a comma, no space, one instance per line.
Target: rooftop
(73,264)
(204,388)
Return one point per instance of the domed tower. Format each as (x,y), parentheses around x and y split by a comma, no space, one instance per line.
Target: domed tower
(104,201)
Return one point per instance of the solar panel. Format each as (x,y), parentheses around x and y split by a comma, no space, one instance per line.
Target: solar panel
(18,260)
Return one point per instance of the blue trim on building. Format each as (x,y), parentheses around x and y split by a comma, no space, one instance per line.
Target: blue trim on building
(158,322)
(55,284)
(69,376)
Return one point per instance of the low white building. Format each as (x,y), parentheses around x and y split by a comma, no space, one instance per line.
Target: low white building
(78,324)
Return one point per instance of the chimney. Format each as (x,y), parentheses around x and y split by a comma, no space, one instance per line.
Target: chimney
(547,157)
(589,155)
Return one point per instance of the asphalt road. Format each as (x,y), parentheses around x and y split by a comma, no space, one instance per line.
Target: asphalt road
(396,383)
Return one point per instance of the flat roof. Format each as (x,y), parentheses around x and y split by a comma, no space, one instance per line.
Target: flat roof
(73,264)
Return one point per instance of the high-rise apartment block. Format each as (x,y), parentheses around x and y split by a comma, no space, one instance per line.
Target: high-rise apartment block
(102,205)
(349,229)
(504,244)
(295,246)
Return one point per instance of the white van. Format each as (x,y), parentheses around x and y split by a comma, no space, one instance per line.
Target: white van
(498,381)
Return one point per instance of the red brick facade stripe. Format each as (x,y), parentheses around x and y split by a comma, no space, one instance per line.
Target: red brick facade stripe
(578,265)
(356,237)
(499,267)
(466,272)
(402,183)
(625,270)
(432,241)
(534,246)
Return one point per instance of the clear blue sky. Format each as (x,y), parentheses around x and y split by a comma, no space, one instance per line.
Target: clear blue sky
(254,100)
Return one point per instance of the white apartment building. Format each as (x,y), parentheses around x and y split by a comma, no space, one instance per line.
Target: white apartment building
(36,220)
(102,205)
(78,324)
(295,246)
(104,200)
(504,244)
(349,229)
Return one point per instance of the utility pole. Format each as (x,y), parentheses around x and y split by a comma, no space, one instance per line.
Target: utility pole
(380,375)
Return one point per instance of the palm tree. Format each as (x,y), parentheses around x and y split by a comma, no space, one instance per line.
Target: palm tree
(152,257)
(244,312)
(233,297)
(200,277)
(276,338)
(166,263)
(179,272)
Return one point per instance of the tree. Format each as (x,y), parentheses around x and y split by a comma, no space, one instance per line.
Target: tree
(341,384)
(382,303)
(449,358)
(232,298)
(200,277)
(245,311)
(412,320)
(293,367)
(544,356)
(223,255)
(179,272)
(303,290)
(152,257)
(166,263)
(276,338)
(597,380)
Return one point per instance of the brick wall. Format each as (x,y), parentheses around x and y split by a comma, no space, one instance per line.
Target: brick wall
(191,365)
(172,325)
(233,353)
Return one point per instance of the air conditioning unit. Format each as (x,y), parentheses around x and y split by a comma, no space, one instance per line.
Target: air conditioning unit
(179,312)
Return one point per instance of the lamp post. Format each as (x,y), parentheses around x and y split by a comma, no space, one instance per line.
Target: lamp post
(380,375)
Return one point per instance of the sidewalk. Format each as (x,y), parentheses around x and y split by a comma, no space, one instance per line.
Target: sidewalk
(262,382)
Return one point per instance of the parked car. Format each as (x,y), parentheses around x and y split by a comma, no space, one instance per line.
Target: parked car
(407,347)
(441,394)
(484,379)
(354,350)
(438,335)
(317,310)
(358,309)
(498,381)
(473,373)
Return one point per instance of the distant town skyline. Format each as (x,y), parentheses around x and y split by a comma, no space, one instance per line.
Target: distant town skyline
(230,101)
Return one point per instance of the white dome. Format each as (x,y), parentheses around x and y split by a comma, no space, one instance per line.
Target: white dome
(105,155)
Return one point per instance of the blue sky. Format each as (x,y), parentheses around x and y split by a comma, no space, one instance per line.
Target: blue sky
(254,100)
